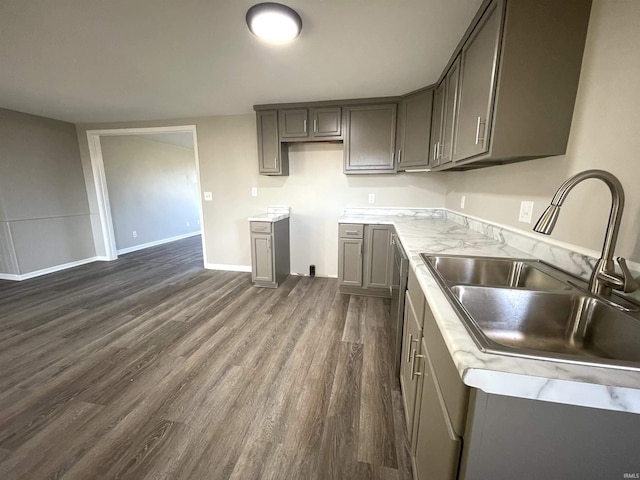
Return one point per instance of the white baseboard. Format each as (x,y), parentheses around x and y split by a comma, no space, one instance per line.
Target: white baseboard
(46,271)
(229,268)
(142,246)
(9,276)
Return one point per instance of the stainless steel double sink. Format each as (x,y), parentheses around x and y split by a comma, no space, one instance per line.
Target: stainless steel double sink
(528,308)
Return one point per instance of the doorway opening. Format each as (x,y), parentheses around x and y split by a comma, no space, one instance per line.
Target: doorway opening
(158,191)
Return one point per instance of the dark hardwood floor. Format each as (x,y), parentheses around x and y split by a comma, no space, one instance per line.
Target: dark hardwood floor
(150,367)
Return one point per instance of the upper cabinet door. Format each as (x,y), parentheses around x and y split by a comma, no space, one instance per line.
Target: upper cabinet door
(294,123)
(369,143)
(413,150)
(449,113)
(436,125)
(327,122)
(478,64)
(268,142)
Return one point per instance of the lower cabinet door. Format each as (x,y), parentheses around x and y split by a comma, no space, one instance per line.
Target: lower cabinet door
(261,258)
(350,262)
(408,379)
(437,450)
(379,256)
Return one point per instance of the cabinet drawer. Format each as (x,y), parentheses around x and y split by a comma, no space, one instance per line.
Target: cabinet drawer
(454,392)
(350,230)
(417,297)
(261,227)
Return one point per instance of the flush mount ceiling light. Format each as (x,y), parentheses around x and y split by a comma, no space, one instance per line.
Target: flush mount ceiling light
(274,22)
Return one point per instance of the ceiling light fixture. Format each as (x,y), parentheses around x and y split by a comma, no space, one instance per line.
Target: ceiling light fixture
(274,22)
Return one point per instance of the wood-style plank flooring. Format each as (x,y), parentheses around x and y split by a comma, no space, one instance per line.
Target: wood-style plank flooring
(150,367)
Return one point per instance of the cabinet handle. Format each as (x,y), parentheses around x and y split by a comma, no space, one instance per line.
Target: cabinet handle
(351,232)
(480,122)
(269,244)
(411,340)
(275,160)
(413,364)
(315,126)
(435,151)
(399,157)
(305,125)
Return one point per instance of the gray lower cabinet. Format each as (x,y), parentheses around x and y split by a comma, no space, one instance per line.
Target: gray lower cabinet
(437,447)
(458,432)
(350,262)
(273,159)
(270,257)
(414,130)
(365,259)
(378,256)
(411,346)
(369,139)
(350,258)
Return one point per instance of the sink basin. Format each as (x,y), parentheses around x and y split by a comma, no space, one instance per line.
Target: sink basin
(528,308)
(493,272)
(553,323)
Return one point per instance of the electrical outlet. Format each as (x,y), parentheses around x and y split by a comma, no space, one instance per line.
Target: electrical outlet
(463,199)
(135,234)
(188,224)
(526,212)
(208,196)
(254,191)
(372,198)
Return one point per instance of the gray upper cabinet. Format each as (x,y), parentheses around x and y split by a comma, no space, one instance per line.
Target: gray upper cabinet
(414,130)
(476,89)
(519,67)
(436,125)
(272,158)
(449,113)
(310,124)
(326,123)
(294,123)
(370,133)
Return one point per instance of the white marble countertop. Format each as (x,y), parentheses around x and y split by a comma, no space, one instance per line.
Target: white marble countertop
(430,231)
(273,214)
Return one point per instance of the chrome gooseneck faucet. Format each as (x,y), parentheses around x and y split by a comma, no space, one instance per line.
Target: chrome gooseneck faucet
(604,277)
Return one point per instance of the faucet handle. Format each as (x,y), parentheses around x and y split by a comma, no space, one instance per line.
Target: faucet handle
(629,284)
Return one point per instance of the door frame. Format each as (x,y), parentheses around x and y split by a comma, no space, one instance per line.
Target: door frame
(100,179)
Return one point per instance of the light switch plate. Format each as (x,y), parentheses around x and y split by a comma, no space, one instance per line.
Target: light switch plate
(526,212)
(372,198)
(254,191)
(463,200)
(208,196)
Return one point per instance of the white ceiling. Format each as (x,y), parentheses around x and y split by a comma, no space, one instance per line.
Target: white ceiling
(119,60)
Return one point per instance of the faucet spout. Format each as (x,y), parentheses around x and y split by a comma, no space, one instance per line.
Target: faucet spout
(604,276)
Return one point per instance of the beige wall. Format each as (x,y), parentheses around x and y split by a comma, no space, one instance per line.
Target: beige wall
(316,190)
(605,134)
(44,207)
(153,189)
